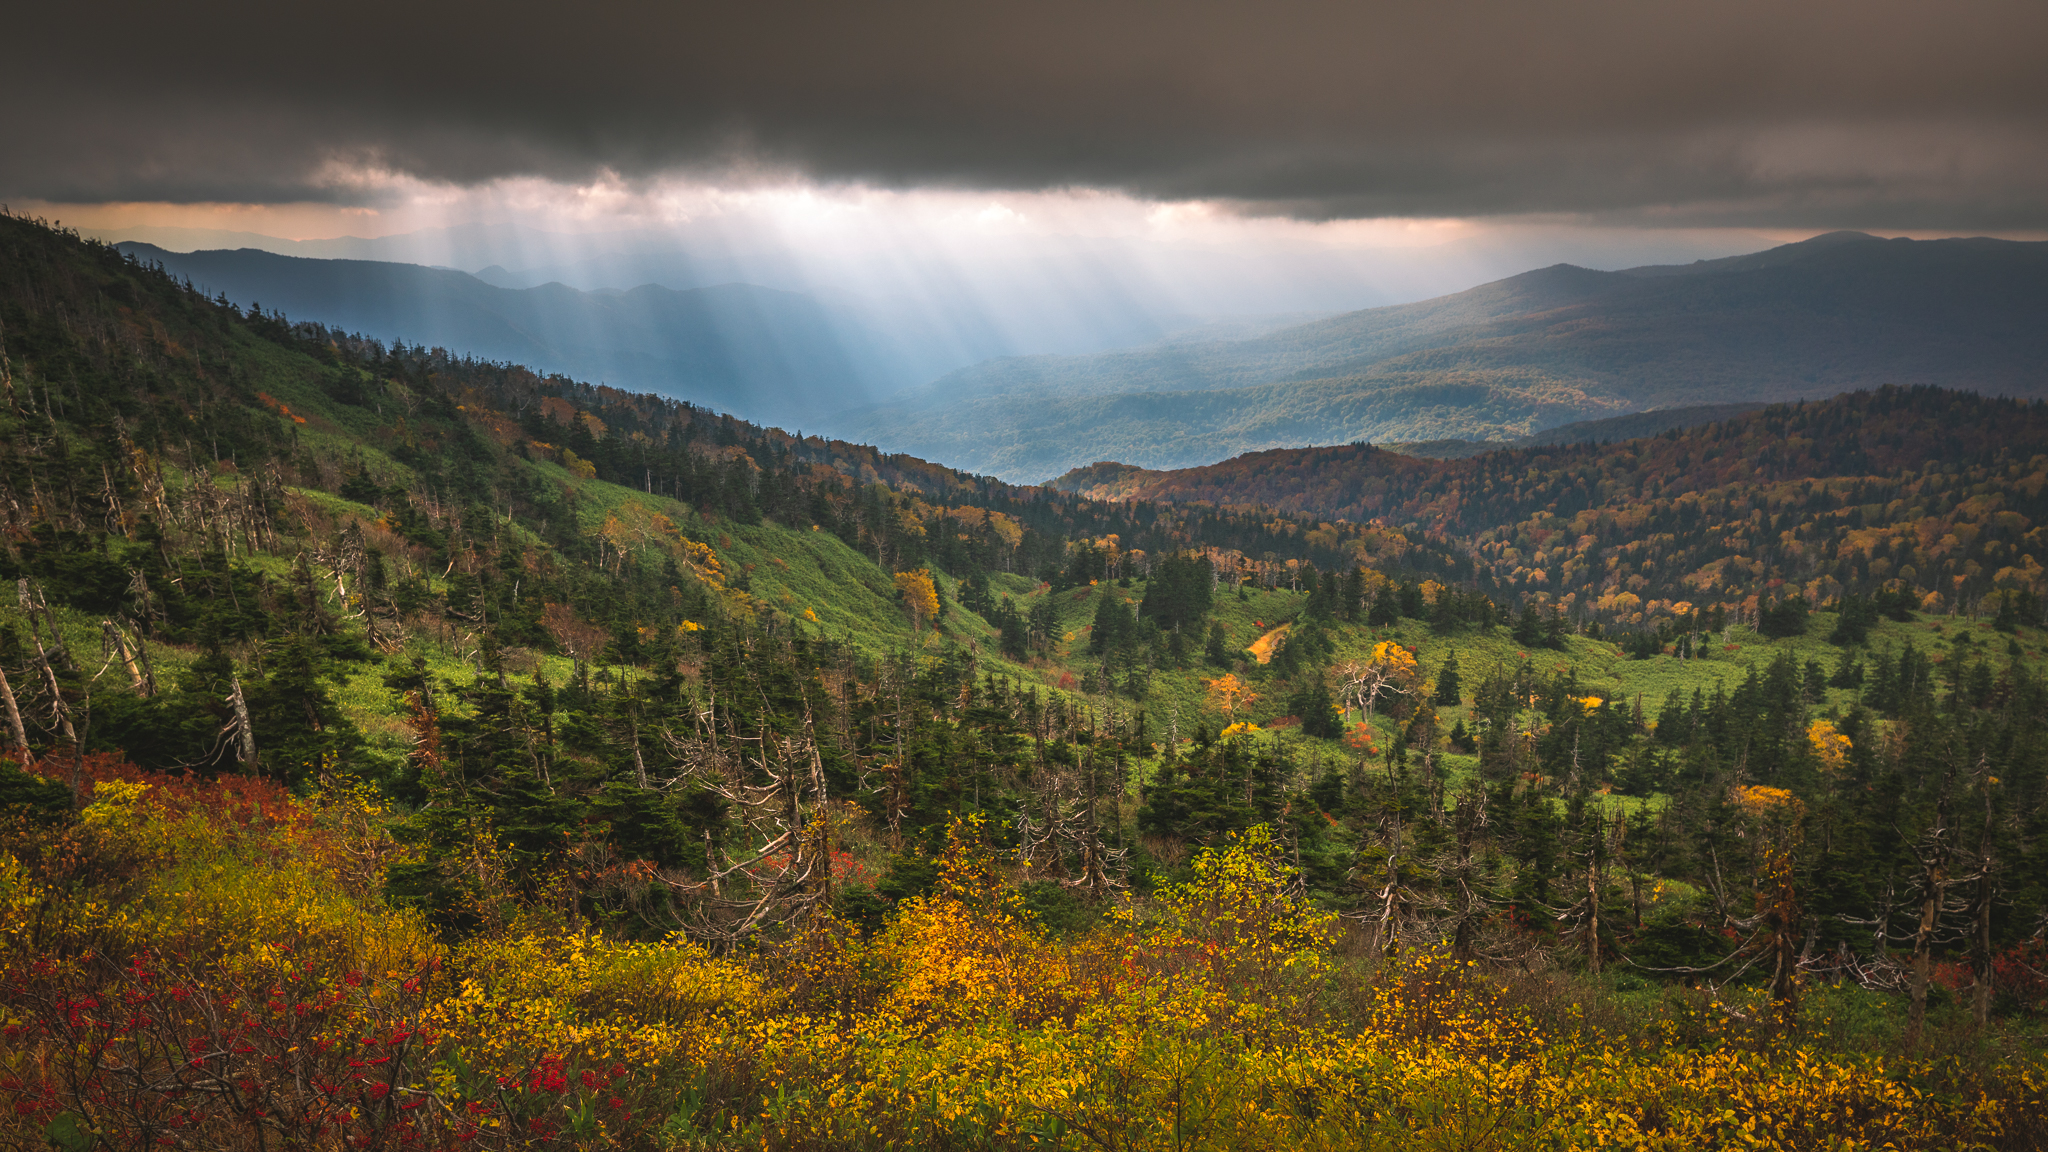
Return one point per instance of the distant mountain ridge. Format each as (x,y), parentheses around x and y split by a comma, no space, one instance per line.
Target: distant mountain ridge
(1508,359)
(1611,430)
(759,352)
(1844,436)
(1114,480)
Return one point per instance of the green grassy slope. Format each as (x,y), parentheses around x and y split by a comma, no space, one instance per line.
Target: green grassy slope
(1181,696)
(119,380)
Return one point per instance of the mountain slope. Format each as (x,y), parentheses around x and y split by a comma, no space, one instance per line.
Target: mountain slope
(1511,358)
(1632,426)
(387,726)
(1943,494)
(764,353)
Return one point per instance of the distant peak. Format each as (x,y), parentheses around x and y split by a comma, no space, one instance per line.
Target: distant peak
(499,276)
(1839,236)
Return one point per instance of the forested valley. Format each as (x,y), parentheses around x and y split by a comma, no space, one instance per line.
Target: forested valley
(404,750)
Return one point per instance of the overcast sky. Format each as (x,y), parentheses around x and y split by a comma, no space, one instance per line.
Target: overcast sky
(1808,114)
(1634,129)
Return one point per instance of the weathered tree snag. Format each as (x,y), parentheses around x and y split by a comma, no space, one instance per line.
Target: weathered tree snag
(118,644)
(245,734)
(62,711)
(15,728)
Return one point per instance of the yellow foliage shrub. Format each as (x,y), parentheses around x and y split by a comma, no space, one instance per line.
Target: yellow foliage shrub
(1831,747)
(1221,1015)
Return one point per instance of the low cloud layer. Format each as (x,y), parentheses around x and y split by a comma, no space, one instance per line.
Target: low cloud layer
(1824,114)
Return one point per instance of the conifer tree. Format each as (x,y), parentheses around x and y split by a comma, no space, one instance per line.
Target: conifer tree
(1217,652)
(1448,689)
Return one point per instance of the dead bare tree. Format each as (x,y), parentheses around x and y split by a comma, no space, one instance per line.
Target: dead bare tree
(243,731)
(1471,879)
(1365,682)
(60,709)
(116,644)
(774,791)
(1980,902)
(1934,851)
(36,606)
(15,728)
(1395,902)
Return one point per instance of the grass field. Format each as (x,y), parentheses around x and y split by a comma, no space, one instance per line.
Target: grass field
(1182,697)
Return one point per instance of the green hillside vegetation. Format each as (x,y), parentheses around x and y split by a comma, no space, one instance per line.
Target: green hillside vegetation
(1717,661)
(638,733)
(1510,359)
(370,547)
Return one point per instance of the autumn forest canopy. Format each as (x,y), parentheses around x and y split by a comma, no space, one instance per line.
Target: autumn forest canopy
(406,750)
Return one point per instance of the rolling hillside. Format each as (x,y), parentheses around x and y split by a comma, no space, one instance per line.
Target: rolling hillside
(443,709)
(1939,492)
(1508,359)
(760,352)
(1613,428)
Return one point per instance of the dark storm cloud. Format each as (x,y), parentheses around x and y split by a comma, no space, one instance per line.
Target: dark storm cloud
(1885,115)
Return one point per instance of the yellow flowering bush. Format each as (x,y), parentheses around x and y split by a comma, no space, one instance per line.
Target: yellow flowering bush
(234,983)
(1764,801)
(114,806)
(1829,746)
(21,897)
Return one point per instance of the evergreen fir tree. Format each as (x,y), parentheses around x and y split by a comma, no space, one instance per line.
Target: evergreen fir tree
(1448,690)
(1386,608)
(1217,653)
